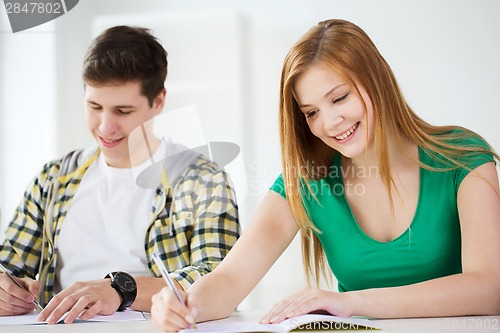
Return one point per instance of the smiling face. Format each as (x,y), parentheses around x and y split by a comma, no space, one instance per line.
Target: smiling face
(113,111)
(334,112)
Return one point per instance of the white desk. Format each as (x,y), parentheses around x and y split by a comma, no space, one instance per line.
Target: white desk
(428,325)
(444,325)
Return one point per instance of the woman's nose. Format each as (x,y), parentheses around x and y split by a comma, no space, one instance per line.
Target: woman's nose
(331,121)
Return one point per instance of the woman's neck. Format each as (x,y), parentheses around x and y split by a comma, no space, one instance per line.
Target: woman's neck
(398,159)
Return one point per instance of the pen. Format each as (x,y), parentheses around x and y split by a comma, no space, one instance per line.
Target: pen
(167,278)
(2,267)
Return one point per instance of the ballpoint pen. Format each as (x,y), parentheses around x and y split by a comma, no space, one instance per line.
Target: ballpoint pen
(167,278)
(2,267)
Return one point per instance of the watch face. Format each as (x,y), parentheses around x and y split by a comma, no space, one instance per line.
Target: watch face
(125,282)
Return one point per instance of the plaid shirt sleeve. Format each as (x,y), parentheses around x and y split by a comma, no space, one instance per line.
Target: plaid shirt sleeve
(204,224)
(21,250)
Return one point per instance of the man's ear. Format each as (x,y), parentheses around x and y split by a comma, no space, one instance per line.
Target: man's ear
(159,101)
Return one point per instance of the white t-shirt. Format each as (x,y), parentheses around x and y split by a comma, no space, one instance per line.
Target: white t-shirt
(105,227)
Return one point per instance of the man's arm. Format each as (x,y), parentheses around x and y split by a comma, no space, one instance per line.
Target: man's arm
(204,228)
(146,287)
(21,250)
(215,224)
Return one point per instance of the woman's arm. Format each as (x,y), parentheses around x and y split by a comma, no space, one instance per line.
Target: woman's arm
(476,291)
(218,293)
(270,233)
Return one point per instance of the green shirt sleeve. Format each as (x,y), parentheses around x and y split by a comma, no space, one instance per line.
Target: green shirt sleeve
(279,186)
(472,162)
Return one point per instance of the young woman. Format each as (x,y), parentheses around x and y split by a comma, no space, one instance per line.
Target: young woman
(406,214)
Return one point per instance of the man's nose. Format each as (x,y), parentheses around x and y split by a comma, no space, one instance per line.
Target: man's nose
(108,125)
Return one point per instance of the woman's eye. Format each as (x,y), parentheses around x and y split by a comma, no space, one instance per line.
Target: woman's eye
(311,113)
(340,99)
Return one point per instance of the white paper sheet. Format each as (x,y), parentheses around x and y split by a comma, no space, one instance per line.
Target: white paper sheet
(30,318)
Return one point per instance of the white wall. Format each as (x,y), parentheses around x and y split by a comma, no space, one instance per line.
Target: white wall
(444,53)
(27,109)
(3,29)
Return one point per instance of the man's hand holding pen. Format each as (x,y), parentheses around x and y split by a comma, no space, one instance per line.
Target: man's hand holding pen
(15,299)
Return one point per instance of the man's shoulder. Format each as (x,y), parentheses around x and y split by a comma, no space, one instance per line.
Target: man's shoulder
(183,164)
(202,169)
(68,163)
(202,163)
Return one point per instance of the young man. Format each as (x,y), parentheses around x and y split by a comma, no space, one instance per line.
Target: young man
(87,228)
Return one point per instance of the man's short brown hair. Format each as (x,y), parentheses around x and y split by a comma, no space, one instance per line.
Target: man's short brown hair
(123,54)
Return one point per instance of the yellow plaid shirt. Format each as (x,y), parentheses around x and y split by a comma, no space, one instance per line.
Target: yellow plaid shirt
(193,224)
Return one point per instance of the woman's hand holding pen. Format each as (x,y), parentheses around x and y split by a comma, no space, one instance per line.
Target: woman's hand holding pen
(170,314)
(14,300)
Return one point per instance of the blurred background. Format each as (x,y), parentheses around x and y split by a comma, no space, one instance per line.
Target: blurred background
(225,58)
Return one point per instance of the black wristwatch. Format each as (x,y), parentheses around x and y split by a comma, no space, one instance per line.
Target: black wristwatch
(126,287)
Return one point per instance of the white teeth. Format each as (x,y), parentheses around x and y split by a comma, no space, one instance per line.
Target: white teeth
(347,133)
(109,141)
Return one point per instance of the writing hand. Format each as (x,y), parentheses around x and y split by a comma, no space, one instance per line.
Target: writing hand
(170,314)
(15,300)
(82,300)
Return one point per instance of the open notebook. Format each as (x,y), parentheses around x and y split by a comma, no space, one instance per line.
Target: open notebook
(305,322)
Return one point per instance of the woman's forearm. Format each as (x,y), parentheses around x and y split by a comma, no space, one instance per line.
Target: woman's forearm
(214,296)
(455,295)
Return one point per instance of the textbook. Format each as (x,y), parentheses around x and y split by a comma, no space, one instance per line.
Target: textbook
(309,322)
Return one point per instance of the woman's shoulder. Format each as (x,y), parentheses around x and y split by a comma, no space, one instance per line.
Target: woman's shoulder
(458,150)
(279,186)
(459,137)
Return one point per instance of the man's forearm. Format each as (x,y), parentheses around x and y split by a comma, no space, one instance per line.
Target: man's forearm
(147,286)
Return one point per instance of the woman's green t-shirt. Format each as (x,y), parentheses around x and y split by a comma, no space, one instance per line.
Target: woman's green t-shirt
(428,249)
